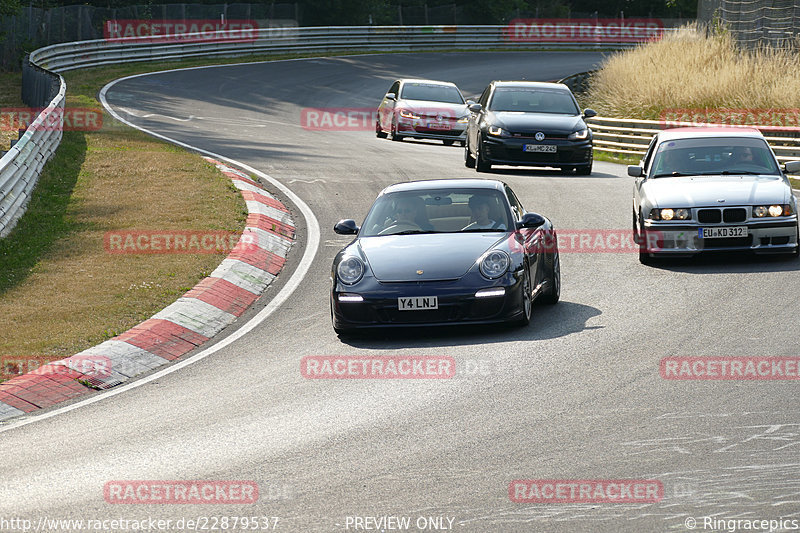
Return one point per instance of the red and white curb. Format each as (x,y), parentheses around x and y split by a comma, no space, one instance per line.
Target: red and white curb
(213,304)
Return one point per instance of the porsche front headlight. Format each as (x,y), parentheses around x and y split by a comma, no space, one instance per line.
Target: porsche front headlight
(494,264)
(350,270)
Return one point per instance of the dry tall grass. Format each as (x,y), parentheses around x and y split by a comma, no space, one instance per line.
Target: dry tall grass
(690,70)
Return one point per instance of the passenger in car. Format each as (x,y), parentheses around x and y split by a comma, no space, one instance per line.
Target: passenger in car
(480,206)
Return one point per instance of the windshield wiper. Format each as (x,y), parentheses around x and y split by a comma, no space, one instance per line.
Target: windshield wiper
(472,230)
(740,172)
(671,174)
(414,232)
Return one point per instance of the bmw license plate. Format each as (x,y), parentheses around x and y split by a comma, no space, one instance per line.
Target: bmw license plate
(418,303)
(539,147)
(718,233)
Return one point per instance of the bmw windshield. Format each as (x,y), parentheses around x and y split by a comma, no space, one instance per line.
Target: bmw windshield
(714,157)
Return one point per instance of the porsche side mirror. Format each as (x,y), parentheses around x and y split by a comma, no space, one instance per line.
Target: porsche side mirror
(635,171)
(531,220)
(346,227)
(791,167)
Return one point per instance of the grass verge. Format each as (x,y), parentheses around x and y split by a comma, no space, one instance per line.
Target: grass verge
(10,83)
(600,155)
(689,70)
(60,291)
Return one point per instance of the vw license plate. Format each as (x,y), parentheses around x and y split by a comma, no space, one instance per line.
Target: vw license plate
(418,303)
(438,126)
(539,147)
(718,233)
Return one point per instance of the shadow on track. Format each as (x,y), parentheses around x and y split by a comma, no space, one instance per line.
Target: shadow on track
(729,263)
(548,322)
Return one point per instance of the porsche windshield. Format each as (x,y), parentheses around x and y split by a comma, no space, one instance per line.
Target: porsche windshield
(714,156)
(437,211)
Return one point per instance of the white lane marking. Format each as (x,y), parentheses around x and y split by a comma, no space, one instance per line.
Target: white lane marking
(307,180)
(294,281)
(217,120)
(148,115)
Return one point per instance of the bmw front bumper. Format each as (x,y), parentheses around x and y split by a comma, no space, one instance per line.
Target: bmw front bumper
(764,237)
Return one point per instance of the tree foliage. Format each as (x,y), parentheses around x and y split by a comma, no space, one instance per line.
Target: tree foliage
(9,7)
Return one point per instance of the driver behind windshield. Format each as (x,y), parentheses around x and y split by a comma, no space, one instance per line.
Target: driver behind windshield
(409,214)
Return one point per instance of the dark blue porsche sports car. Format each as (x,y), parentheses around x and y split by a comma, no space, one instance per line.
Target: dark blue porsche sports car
(444,252)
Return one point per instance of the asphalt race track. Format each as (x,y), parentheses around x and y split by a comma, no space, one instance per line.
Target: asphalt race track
(577,395)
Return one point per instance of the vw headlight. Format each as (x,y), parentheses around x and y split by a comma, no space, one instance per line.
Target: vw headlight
(494,264)
(775,210)
(405,113)
(578,135)
(350,270)
(463,120)
(497,131)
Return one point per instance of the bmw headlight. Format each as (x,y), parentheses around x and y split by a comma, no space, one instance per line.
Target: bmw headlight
(350,270)
(670,214)
(578,135)
(494,264)
(775,210)
(497,131)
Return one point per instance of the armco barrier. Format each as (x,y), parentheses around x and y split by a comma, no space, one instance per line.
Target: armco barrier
(21,166)
(630,137)
(67,56)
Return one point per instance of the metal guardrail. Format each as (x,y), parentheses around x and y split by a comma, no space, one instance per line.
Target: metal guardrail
(67,56)
(631,137)
(21,166)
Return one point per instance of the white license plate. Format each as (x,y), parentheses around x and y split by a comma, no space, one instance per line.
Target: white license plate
(539,147)
(438,126)
(718,233)
(418,303)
